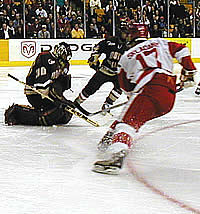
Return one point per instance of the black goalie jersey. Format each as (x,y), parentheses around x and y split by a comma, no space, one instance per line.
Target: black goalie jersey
(44,70)
(113,48)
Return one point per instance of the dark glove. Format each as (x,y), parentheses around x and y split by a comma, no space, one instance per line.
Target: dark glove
(94,62)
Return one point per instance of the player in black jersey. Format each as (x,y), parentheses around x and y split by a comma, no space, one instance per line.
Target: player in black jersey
(48,75)
(113,48)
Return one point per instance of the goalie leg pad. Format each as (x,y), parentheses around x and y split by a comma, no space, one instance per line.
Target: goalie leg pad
(10,115)
(21,115)
(55,116)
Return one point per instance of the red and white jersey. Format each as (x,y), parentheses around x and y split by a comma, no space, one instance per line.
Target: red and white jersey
(139,64)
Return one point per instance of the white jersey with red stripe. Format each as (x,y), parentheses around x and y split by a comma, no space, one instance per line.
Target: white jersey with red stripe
(141,62)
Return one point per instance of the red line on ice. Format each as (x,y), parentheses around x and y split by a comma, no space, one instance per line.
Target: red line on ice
(153,188)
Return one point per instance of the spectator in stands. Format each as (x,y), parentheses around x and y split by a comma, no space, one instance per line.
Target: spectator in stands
(177,9)
(35,27)
(65,9)
(188,27)
(138,13)
(17,21)
(5,32)
(62,21)
(11,27)
(6,18)
(80,22)
(109,6)
(175,32)
(162,25)
(198,10)
(147,9)
(94,4)
(13,15)
(19,33)
(94,22)
(44,33)
(48,5)
(73,20)
(92,33)
(77,33)
(162,11)
(123,8)
(64,33)
(154,21)
(103,33)
(18,6)
(145,20)
(135,17)
(181,28)
(109,26)
(9,10)
(41,12)
(2,7)
(48,24)
(155,32)
(30,13)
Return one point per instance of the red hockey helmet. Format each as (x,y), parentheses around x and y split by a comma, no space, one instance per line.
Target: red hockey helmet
(138,32)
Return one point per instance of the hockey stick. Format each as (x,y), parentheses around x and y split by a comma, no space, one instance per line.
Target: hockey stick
(67,108)
(84,111)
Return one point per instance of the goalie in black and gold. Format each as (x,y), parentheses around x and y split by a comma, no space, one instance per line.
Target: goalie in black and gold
(48,75)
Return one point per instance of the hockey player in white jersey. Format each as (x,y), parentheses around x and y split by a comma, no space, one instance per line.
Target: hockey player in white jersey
(146,69)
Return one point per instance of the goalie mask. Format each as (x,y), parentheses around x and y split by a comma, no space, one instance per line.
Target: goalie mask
(62,52)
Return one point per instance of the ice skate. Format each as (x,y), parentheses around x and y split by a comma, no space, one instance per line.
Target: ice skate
(111,166)
(105,109)
(106,141)
(197,91)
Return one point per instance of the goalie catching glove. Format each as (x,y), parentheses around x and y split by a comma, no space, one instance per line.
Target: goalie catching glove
(187,78)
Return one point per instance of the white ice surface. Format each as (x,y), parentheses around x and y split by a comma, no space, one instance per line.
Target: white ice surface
(47,170)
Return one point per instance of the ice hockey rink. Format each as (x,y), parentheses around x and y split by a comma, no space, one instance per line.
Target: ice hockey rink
(47,170)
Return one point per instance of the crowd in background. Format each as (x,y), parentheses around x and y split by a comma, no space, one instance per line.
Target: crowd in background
(40,22)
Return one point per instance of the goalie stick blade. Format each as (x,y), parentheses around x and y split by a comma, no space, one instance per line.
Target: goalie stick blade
(78,114)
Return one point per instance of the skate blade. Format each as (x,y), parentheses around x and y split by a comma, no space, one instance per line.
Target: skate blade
(106,170)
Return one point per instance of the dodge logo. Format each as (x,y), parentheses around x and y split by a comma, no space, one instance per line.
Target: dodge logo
(28,48)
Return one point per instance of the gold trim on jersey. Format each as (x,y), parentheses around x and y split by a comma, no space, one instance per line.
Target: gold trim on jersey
(107,71)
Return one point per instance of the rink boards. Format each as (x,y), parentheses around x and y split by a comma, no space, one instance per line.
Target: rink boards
(22,52)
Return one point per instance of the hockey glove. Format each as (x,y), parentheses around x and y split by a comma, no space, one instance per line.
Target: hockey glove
(187,78)
(94,62)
